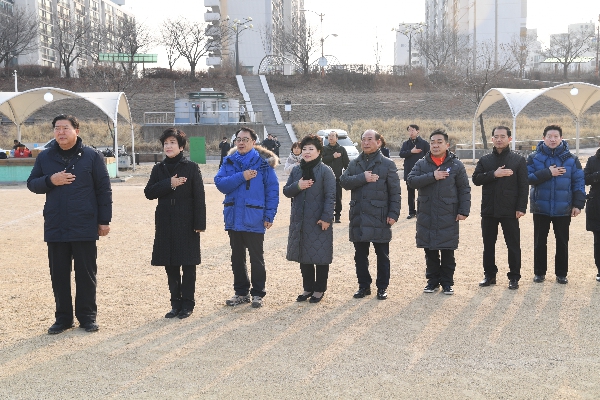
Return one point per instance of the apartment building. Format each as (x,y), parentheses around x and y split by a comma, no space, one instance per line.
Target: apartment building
(493,21)
(269,19)
(106,13)
(405,49)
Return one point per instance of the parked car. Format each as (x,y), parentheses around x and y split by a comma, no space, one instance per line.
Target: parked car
(343,140)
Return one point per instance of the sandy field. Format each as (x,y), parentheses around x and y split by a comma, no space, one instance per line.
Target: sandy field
(539,342)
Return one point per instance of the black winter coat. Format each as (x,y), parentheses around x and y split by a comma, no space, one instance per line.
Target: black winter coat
(336,164)
(440,201)
(502,197)
(307,242)
(73,212)
(179,213)
(592,177)
(372,202)
(410,159)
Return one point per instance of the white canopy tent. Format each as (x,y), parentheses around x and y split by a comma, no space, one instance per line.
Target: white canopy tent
(577,97)
(18,106)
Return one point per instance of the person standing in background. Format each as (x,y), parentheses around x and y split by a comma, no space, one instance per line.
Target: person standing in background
(412,151)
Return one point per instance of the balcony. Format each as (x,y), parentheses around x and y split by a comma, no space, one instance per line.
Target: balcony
(212,3)
(212,16)
(213,60)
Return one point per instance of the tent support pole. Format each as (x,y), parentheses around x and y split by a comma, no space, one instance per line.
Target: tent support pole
(116,148)
(577,136)
(19,133)
(474,139)
(514,133)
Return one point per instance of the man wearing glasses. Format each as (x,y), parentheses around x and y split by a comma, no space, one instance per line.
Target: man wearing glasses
(78,210)
(248,180)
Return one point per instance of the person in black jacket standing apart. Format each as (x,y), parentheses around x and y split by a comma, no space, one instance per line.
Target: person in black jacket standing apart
(592,210)
(374,208)
(444,200)
(412,151)
(78,210)
(224,146)
(336,157)
(503,175)
(180,217)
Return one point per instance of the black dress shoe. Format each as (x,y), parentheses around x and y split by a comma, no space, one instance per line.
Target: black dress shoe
(173,313)
(513,284)
(185,313)
(381,294)
(539,278)
(337,221)
(487,281)
(314,299)
(303,297)
(90,326)
(362,292)
(411,216)
(59,328)
(562,280)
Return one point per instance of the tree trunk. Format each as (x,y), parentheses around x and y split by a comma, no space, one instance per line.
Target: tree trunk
(565,70)
(482,128)
(67,70)
(192,70)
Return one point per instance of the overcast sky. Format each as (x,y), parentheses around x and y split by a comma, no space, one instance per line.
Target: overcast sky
(360,25)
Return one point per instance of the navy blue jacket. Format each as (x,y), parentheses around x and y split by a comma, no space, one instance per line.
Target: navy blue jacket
(73,212)
(410,159)
(249,204)
(555,196)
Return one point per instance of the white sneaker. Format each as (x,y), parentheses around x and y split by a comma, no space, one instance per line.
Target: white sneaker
(257,302)
(235,300)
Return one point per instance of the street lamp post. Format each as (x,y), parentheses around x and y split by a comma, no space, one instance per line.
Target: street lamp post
(322,60)
(238,27)
(409,30)
(597,47)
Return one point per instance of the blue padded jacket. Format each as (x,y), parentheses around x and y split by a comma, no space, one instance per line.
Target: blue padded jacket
(555,196)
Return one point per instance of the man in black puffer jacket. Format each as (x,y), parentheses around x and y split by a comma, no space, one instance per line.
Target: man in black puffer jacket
(503,175)
(78,210)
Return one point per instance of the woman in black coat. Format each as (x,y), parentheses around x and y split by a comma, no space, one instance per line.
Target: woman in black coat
(592,210)
(312,187)
(180,217)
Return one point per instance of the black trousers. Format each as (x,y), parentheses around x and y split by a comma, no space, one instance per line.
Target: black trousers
(242,117)
(411,200)
(314,277)
(338,198)
(361,259)
(182,287)
(240,241)
(541,227)
(597,249)
(512,238)
(62,256)
(440,270)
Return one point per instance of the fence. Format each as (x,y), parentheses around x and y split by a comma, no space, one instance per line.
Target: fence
(202,118)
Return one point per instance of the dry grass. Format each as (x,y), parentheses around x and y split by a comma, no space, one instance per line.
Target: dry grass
(460,130)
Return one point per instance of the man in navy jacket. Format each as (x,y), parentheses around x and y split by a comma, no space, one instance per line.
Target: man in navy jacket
(412,151)
(557,193)
(77,211)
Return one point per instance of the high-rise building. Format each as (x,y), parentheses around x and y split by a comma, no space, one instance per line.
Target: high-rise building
(105,13)
(405,49)
(269,19)
(493,21)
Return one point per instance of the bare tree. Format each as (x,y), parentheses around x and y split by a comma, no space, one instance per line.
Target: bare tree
(565,48)
(131,39)
(443,51)
(190,40)
(488,74)
(519,49)
(170,44)
(299,44)
(17,34)
(72,38)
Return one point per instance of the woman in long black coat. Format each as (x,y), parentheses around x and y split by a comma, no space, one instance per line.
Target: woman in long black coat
(310,242)
(592,209)
(180,217)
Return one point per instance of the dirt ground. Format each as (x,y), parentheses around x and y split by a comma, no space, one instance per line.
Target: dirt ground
(539,342)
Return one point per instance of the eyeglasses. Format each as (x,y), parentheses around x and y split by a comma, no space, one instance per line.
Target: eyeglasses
(242,140)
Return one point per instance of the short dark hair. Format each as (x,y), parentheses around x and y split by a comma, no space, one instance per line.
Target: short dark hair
(173,132)
(312,139)
(334,132)
(249,130)
(15,141)
(553,128)
(440,132)
(73,120)
(412,126)
(506,128)
(296,145)
(224,137)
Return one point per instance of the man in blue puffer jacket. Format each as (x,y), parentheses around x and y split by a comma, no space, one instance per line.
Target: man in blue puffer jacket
(557,193)
(251,189)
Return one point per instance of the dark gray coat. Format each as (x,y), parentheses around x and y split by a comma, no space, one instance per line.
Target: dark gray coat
(179,213)
(372,203)
(592,177)
(439,202)
(307,242)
